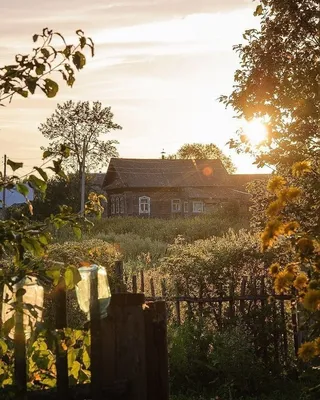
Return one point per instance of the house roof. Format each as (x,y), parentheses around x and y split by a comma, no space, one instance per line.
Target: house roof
(158,173)
(240,180)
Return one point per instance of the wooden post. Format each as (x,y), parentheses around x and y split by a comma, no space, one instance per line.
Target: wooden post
(142,281)
(153,292)
(95,331)
(60,299)
(163,288)
(156,351)
(263,321)
(243,293)
(231,302)
(118,267)
(134,284)
(20,362)
(124,345)
(294,319)
(177,304)
(284,331)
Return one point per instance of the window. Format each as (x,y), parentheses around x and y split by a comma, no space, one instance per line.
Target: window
(144,205)
(198,206)
(113,205)
(117,205)
(185,207)
(121,205)
(175,205)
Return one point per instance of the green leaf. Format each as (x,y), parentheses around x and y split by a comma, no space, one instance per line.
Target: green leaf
(40,69)
(35,37)
(51,88)
(77,232)
(46,154)
(75,369)
(64,150)
(23,93)
(3,347)
(68,277)
(31,84)
(258,10)
(14,165)
(50,382)
(33,245)
(79,60)
(83,42)
(45,52)
(21,292)
(23,189)
(54,274)
(42,173)
(86,359)
(38,183)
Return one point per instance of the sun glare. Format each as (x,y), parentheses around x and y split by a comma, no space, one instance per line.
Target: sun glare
(255,131)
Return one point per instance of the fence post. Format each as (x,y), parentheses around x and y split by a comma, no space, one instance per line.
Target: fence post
(60,298)
(177,304)
(95,331)
(124,345)
(142,281)
(156,351)
(20,362)
(120,286)
(153,292)
(134,284)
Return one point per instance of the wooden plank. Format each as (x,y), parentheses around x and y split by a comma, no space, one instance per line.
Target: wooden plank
(20,362)
(156,351)
(200,297)
(152,290)
(284,331)
(177,305)
(142,281)
(60,301)
(263,320)
(231,301)
(242,293)
(294,320)
(134,284)
(118,268)
(95,331)
(163,288)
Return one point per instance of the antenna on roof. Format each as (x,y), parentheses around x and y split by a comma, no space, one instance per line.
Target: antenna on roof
(163,154)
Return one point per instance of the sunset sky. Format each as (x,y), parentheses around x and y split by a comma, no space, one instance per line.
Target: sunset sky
(160,65)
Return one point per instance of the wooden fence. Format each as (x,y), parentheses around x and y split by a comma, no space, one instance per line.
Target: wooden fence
(128,349)
(273,318)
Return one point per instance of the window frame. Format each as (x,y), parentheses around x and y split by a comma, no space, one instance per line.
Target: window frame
(174,203)
(117,205)
(194,205)
(146,205)
(185,207)
(113,206)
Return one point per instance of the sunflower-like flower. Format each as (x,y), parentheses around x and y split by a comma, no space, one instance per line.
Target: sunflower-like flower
(301,281)
(276,183)
(311,300)
(275,207)
(307,351)
(274,269)
(305,246)
(290,227)
(301,168)
(283,281)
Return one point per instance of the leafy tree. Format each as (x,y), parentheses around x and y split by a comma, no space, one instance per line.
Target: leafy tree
(79,126)
(33,70)
(201,151)
(279,80)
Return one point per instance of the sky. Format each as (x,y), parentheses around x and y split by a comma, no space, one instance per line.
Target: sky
(159,64)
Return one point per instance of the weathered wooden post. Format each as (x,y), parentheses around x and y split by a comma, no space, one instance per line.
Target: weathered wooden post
(156,351)
(20,367)
(123,347)
(60,299)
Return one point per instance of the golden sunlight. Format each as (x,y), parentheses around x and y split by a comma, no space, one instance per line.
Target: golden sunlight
(255,131)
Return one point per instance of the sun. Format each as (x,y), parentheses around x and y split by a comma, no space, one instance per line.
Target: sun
(255,131)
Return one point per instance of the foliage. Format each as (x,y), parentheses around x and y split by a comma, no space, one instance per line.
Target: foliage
(200,151)
(220,364)
(79,126)
(33,70)
(215,263)
(279,80)
(60,192)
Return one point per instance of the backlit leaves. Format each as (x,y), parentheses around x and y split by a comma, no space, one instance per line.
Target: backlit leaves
(14,165)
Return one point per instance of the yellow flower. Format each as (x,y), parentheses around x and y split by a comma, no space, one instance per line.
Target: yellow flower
(311,300)
(276,183)
(300,281)
(313,284)
(305,246)
(275,207)
(301,168)
(283,281)
(274,269)
(317,345)
(290,227)
(272,230)
(292,268)
(307,351)
(289,194)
